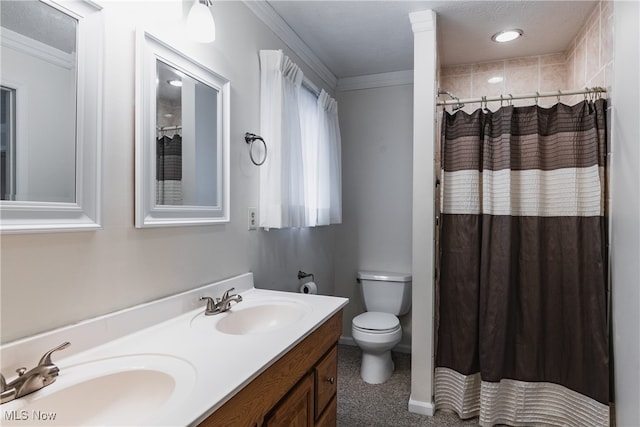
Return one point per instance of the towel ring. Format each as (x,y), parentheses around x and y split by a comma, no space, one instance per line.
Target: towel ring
(250,138)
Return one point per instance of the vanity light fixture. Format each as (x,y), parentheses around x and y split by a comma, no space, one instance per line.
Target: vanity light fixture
(200,24)
(506,35)
(175,82)
(495,79)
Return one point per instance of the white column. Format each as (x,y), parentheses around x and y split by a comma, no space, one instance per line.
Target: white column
(424,126)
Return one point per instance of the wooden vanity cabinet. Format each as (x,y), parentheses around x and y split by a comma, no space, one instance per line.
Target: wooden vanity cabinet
(299,389)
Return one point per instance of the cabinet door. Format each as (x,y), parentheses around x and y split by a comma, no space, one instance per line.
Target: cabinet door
(326,375)
(329,417)
(296,409)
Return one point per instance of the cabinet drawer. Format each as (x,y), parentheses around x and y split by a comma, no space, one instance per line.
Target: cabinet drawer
(326,379)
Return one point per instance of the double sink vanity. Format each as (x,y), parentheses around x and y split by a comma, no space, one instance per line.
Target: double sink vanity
(269,359)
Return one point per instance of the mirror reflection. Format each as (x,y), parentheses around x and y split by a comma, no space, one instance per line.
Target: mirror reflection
(38,79)
(187,139)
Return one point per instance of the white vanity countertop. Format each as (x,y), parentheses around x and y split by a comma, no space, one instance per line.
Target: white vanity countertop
(214,365)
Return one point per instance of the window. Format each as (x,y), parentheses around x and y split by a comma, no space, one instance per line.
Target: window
(300,182)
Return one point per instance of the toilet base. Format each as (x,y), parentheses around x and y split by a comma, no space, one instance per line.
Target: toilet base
(376,368)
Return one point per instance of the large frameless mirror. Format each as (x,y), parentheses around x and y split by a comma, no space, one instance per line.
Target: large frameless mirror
(50,103)
(182,139)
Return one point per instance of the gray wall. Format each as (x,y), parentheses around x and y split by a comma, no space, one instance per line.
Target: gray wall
(625,212)
(54,279)
(377,139)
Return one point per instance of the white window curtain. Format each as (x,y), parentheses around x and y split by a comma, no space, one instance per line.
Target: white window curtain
(281,185)
(301,181)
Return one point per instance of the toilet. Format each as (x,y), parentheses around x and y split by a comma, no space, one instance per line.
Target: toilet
(377,331)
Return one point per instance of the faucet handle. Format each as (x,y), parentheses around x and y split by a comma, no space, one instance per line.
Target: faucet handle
(226,293)
(6,395)
(211,304)
(46,359)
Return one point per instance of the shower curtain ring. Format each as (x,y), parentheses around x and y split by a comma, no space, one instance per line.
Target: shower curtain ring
(559,93)
(537,97)
(500,100)
(510,99)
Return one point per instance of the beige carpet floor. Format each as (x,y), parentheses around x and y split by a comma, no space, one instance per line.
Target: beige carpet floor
(382,405)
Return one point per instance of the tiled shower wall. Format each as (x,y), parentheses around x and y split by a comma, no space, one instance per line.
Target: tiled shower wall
(590,54)
(587,62)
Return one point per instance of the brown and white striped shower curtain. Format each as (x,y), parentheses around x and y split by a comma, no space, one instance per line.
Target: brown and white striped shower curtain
(523,330)
(169,170)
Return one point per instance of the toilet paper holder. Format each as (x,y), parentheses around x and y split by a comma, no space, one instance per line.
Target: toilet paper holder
(302,275)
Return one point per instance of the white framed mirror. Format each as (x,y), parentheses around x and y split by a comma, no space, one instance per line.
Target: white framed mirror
(51,111)
(182,138)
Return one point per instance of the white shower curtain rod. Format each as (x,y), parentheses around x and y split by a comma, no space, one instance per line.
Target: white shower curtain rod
(507,98)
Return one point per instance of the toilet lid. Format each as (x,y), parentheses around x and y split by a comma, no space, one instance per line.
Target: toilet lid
(376,321)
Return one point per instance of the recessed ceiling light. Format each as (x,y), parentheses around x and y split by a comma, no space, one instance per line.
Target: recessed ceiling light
(506,35)
(495,79)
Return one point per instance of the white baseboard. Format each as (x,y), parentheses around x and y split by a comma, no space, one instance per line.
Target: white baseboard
(400,348)
(420,407)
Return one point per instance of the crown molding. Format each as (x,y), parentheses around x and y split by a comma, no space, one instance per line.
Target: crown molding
(33,48)
(263,10)
(371,81)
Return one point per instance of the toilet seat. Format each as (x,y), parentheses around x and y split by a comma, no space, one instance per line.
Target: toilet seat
(375,322)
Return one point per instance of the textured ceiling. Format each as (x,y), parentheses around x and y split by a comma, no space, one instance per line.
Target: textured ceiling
(354,38)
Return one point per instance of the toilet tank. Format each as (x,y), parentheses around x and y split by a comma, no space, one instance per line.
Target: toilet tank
(386,292)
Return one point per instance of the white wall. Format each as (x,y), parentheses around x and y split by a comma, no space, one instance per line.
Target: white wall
(625,212)
(376,131)
(54,279)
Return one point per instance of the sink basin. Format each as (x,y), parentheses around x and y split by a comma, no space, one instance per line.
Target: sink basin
(127,390)
(253,317)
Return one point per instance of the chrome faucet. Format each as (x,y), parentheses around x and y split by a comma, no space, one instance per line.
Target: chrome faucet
(220,305)
(29,381)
